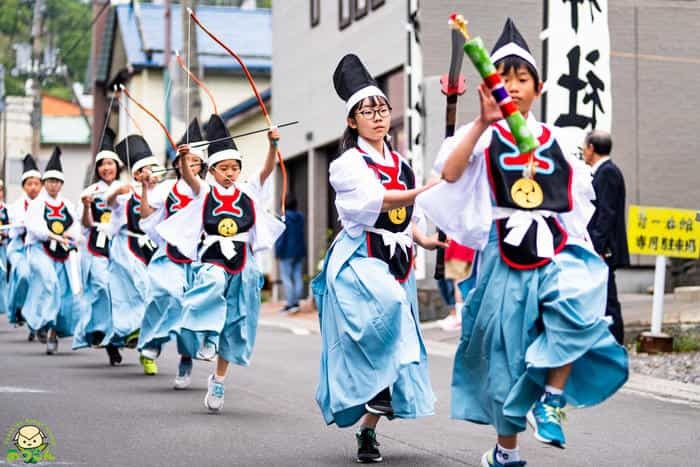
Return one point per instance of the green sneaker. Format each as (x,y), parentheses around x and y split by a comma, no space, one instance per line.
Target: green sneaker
(149,366)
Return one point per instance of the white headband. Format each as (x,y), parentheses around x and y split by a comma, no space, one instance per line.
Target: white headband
(58,175)
(513,49)
(225,155)
(368,91)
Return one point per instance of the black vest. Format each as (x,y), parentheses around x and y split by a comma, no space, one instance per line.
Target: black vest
(173,204)
(397,177)
(133,215)
(58,220)
(226,216)
(101,213)
(553,176)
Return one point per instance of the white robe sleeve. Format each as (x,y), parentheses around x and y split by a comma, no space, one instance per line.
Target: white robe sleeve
(576,221)
(75,229)
(184,228)
(267,228)
(34,220)
(461,209)
(359,194)
(156,200)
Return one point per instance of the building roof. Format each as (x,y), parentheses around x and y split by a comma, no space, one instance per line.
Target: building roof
(248,32)
(64,130)
(57,107)
(246,105)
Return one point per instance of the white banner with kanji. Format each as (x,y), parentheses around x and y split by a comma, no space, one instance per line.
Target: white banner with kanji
(577,60)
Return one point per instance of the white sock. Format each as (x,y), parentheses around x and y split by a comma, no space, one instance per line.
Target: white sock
(219,379)
(504,455)
(554,391)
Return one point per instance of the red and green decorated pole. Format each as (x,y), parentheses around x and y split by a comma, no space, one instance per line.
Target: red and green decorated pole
(477,53)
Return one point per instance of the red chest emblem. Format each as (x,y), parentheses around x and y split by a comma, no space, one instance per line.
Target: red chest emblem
(388,176)
(179,201)
(227,204)
(56,213)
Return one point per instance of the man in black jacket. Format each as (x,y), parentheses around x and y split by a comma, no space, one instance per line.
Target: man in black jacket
(607,227)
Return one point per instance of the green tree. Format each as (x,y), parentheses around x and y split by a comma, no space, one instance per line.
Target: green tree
(67,26)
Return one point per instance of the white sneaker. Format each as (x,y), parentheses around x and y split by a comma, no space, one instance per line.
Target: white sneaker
(206,352)
(451,323)
(182,382)
(51,347)
(214,400)
(51,342)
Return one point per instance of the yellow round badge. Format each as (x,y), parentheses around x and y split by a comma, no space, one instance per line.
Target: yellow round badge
(397,216)
(527,193)
(57,228)
(227,228)
(105,217)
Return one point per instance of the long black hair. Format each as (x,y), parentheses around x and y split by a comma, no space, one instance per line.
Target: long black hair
(349,138)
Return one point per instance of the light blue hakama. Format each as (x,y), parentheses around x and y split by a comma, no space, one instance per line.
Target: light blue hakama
(168,281)
(19,277)
(51,303)
(130,290)
(517,324)
(370,336)
(222,309)
(3,278)
(97,312)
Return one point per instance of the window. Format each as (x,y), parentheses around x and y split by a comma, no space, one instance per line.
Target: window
(361,7)
(315,12)
(345,8)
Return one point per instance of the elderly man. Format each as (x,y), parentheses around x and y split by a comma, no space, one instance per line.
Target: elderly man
(607,227)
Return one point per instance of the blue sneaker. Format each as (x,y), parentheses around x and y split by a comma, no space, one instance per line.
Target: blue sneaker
(489,460)
(545,418)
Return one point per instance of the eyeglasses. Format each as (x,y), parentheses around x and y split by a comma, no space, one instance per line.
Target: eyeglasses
(369,114)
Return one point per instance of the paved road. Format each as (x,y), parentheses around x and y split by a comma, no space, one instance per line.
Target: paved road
(103,416)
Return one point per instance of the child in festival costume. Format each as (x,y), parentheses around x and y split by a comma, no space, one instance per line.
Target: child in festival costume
(222,227)
(4,236)
(53,302)
(533,332)
(170,272)
(131,250)
(373,360)
(95,218)
(19,266)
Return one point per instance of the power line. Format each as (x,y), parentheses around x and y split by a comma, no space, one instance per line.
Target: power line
(88,29)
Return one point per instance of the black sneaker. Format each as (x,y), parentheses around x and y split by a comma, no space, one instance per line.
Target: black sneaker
(97,338)
(381,404)
(115,358)
(19,319)
(367,444)
(41,335)
(31,336)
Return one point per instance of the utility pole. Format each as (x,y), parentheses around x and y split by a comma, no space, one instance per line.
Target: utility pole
(37,31)
(189,53)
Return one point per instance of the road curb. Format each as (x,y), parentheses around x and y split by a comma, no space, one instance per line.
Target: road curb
(649,386)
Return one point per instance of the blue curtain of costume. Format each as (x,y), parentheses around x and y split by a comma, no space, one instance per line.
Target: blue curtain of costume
(168,281)
(50,303)
(364,324)
(223,309)
(528,321)
(97,313)
(130,290)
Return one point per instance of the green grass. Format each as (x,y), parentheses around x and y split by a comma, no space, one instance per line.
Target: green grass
(686,343)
